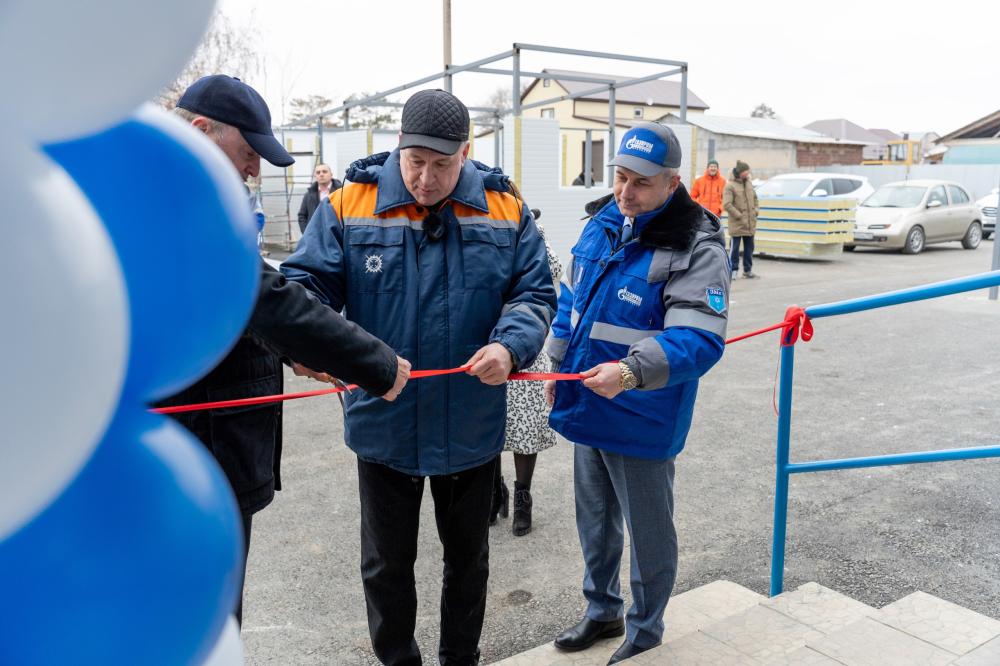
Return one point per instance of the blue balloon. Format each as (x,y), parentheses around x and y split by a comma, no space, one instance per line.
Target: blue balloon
(135,563)
(186,239)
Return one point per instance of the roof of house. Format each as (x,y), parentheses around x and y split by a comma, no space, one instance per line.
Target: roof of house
(660,92)
(919,136)
(987,127)
(759,128)
(619,121)
(842,128)
(886,134)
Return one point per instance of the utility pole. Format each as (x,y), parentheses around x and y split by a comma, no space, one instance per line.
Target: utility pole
(447,43)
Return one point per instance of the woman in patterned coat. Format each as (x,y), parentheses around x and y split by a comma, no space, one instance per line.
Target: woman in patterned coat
(527,432)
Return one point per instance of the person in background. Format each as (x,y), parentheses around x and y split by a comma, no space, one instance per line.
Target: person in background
(527,431)
(253,192)
(707,189)
(739,200)
(320,189)
(581,179)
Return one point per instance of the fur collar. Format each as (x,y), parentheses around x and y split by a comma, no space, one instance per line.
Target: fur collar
(676,225)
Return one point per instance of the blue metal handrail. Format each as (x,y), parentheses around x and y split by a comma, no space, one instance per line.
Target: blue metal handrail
(785,468)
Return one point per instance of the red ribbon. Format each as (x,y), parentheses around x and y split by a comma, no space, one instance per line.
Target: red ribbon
(415,374)
(796,323)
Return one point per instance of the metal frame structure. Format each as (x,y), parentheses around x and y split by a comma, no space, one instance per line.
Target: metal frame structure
(495,114)
(784,468)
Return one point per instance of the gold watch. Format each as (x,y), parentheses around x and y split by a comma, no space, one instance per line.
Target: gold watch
(628,379)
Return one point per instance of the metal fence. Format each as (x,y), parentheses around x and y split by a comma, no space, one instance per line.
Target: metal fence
(785,468)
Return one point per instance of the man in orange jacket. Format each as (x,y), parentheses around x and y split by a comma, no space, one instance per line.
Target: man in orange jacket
(707,190)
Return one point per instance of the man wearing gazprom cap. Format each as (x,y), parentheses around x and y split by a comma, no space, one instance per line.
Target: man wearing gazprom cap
(648,285)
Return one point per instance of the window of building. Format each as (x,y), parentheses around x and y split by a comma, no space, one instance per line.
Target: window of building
(637,112)
(546,83)
(548,113)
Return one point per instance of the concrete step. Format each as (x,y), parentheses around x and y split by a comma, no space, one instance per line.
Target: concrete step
(686,614)
(723,624)
(917,629)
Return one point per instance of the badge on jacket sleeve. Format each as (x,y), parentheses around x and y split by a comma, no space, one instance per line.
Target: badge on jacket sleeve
(716,299)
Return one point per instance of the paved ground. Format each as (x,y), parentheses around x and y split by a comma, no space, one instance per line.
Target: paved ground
(908,378)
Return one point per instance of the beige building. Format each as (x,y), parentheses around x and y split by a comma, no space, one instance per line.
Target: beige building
(649,100)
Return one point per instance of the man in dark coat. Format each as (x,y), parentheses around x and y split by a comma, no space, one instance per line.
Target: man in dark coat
(286,321)
(321,188)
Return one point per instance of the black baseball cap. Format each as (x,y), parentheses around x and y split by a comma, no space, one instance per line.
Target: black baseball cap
(436,120)
(230,101)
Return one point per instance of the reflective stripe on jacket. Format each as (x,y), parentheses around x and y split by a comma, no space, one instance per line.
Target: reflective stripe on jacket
(434,302)
(661,300)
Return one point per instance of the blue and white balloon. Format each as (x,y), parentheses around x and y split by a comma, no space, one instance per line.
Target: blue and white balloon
(133,270)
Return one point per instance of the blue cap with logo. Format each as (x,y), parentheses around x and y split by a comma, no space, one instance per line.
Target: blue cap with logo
(648,149)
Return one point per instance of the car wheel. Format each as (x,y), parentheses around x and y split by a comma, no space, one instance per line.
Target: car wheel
(849,248)
(915,241)
(972,236)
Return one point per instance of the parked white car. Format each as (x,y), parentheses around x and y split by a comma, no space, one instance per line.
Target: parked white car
(988,207)
(908,215)
(816,184)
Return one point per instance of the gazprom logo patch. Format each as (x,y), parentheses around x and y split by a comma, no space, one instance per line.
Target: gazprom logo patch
(632,299)
(636,143)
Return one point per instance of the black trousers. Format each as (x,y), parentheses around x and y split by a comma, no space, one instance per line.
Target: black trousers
(390,520)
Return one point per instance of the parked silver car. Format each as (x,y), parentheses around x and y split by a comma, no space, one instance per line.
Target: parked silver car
(988,207)
(815,184)
(910,214)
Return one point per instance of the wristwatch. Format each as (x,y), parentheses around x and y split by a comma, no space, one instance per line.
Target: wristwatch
(628,379)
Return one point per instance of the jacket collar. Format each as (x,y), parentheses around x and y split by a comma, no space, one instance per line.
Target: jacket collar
(392,192)
(673,227)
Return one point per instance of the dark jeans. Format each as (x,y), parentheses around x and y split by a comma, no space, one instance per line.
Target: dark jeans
(734,254)
(390,517)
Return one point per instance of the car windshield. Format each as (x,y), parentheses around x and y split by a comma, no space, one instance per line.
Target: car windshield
(784,187)
(895,196)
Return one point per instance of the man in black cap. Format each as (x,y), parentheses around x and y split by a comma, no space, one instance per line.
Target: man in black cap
(287,322)
(439,257)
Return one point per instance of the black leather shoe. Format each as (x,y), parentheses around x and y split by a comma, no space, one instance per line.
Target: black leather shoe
(625,651)
(588,632)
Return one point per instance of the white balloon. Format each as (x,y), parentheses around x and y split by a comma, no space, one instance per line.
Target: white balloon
(64,333)
(71,68)
(229,650)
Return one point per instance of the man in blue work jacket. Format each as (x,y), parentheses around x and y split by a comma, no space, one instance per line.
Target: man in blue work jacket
(437,257)
(648,285)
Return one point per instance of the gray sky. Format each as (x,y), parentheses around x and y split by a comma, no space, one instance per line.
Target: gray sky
(879,64)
